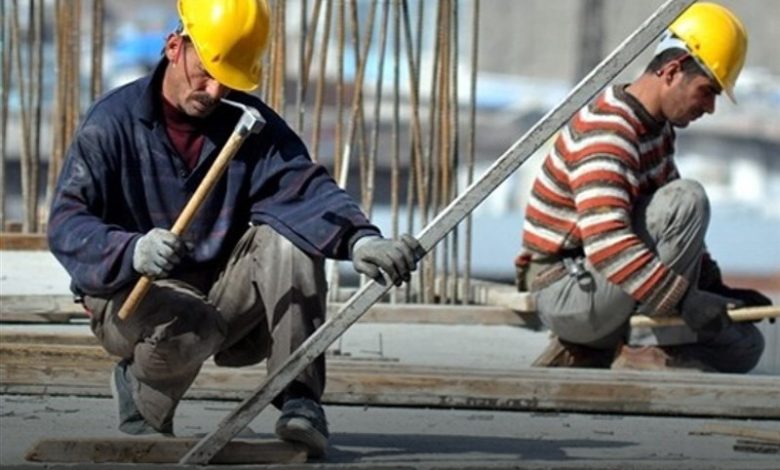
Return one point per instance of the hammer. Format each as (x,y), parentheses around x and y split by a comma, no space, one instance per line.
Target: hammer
(250,123)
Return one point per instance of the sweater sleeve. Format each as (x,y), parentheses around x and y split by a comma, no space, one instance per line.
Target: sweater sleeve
(96,254)
(605,187)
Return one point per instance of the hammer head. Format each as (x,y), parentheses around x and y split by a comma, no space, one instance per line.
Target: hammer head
(251,122)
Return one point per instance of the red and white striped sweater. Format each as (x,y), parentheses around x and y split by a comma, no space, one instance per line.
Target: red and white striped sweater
(608,154)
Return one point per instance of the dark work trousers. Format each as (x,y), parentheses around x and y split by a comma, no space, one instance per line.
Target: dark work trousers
(589,310)
(265,302)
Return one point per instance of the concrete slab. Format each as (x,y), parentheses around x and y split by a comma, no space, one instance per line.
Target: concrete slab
(370,437)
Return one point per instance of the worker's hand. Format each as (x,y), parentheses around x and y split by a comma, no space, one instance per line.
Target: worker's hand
(157,252)
(706,312)
(748,297)
(397,258)
(711,280)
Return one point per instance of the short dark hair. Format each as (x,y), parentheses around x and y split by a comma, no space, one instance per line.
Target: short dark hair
(689,65)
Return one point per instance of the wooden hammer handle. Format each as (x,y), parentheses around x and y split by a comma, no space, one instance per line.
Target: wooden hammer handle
(188,213)
(741,314)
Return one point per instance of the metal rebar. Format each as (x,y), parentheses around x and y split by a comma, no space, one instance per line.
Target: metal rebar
(24,109)
(471,151)
(417,152)
(37,61)
(98,36)
(340,38)
(368,203)
(321,81)
(5,83)
(454,144)
(395,154)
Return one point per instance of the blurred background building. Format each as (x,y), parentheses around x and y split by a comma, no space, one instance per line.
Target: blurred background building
(530,54)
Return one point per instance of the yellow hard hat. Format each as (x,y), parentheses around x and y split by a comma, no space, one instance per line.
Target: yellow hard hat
(230,37)
(716,38)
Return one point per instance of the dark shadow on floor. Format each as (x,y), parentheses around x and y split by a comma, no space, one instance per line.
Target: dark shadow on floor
(416,447)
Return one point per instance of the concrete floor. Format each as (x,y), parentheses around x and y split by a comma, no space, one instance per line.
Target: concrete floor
(369,437)
(372,437)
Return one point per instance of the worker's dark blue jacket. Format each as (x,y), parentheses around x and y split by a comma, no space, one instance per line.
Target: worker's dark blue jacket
(122,177)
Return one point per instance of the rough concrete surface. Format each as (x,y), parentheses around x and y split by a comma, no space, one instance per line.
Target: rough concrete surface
(371,437)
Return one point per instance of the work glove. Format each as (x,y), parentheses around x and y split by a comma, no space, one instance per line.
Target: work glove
(710,279)
(748,297)
(397,258)
(706,312)
(157,252)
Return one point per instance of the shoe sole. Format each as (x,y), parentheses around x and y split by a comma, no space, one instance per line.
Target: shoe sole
(301,431)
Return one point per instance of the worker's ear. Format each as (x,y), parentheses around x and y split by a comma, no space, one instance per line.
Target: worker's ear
(670,72)
(173,47)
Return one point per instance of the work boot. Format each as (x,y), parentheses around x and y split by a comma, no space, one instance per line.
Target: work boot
(560,353)
(130,419)
(659,358)
(303,421)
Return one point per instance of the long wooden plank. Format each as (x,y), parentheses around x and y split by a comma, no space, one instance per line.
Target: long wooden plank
(83,370)
(23,241)
(62,309)
(160,450)
(39,308)
(759,434)
(445,315)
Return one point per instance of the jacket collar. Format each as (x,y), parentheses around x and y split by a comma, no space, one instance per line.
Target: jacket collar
(147,107)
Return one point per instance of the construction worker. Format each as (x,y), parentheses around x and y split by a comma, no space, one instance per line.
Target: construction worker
(611,230)
(246,281)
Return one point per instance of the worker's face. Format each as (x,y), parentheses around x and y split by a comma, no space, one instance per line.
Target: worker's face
(687,96)
(187,85)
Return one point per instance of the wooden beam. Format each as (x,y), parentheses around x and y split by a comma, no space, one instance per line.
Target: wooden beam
(23,241)
(445,315)
(161,450)
(767,435)
(82,370)
(62,309)
(39,309)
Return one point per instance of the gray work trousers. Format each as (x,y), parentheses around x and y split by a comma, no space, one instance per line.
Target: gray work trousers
(589,310)
(267,299)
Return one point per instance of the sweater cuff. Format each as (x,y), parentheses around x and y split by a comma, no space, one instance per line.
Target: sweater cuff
(670,298)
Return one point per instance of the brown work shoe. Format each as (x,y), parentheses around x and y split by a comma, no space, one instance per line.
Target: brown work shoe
(561,353)
(661,358)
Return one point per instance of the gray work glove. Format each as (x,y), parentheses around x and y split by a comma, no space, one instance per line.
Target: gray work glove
(706,312)
(157,252)
(397,258)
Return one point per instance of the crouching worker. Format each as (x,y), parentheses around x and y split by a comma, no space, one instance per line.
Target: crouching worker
(246,281)
(611,230)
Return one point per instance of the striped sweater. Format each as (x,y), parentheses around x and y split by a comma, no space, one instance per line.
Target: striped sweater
(610,152)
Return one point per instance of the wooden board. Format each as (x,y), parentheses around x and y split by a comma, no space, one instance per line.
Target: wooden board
(39,309)
(759,434)
(445,315)
(62,309)
(83,370)
(161,450)
(23,241)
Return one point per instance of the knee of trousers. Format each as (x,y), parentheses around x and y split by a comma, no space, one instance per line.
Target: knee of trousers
(180,343)
(751,347)
(688,198)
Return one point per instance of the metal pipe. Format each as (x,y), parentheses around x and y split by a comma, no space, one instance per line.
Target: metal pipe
(471,145)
